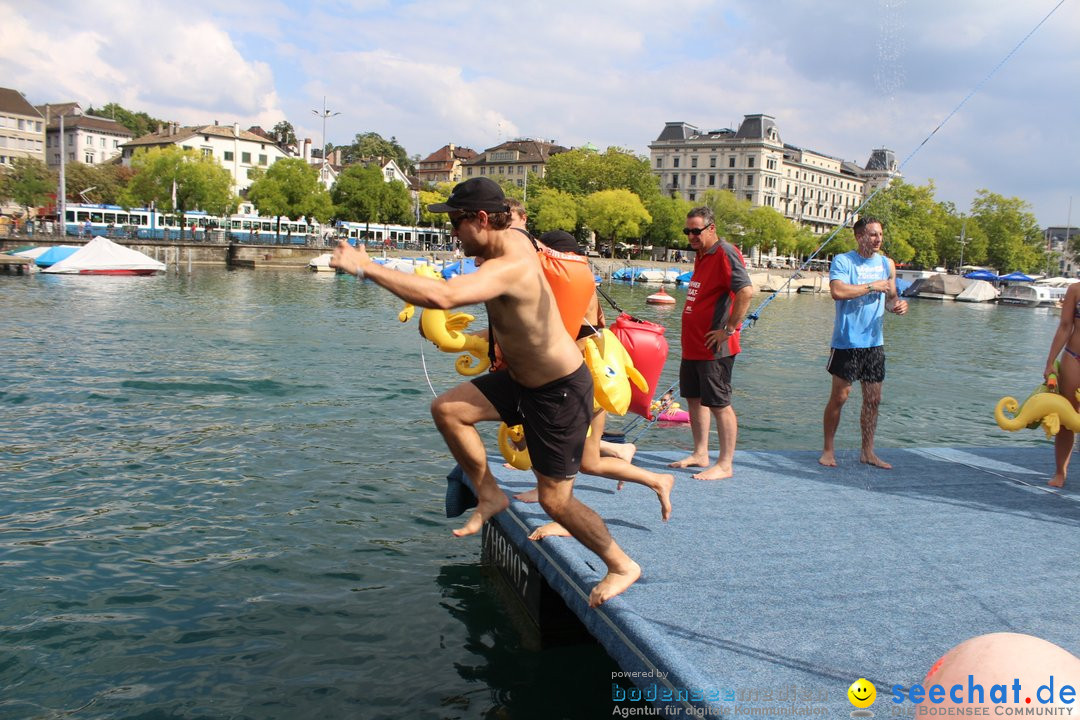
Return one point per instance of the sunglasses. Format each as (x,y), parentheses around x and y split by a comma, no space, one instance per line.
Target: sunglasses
(695,231)
(455,222)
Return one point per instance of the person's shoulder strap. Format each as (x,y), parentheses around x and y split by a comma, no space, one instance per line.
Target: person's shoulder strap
(529,235)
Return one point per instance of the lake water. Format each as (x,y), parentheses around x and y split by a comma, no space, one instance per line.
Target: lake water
(223,493)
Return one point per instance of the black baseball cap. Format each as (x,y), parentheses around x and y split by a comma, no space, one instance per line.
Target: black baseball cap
(561,241)
(474,194)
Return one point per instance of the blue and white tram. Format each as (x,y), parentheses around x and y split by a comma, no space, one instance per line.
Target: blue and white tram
(144,224)
(400,237)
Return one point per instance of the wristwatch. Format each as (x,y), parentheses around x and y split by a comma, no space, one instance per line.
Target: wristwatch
(730,332)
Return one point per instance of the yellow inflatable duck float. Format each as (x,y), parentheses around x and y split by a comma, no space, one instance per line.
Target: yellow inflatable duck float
(447,331)
(612,371)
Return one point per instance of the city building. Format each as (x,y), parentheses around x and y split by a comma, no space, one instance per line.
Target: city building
(512,160)
(238,151)
(806,186)
(22,129)
(1059,243)
(444,165)
(88,139)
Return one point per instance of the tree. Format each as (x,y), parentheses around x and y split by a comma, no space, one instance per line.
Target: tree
(730,211)
(1014,239)
(914,223)
(371,145)
(29,183)
(766,228)
(551,209)
(668,220)
(99,183)
(291,188)
(195,181)
(582,171)
(139,123)
(284,134)
(360,194)
(614,215)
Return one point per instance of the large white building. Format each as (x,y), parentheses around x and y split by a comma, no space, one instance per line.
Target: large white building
(88,139)
(238,151)
(22,129)
(752,162)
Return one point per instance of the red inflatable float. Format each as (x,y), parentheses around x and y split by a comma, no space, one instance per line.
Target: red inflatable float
(648,348)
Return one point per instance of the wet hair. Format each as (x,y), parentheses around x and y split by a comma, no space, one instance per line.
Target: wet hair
(705,213)
(860,225)
(499,220)
(516,207)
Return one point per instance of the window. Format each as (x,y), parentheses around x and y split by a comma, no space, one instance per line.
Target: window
(750,161)
(207,152)
(89,158)
(750,180)
(71,140)
(675,162)
(693,161)
(693,179)
(262,159)
(228,155)
(712,180)
(731,161)
(749,197)
(712,162)
(71,157)
(731,182)
(116,144)
(468,172)
(56,158)
(659,162)
(245,157)
(102,142)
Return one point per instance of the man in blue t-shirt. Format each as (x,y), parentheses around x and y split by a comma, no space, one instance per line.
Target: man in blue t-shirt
(863,284)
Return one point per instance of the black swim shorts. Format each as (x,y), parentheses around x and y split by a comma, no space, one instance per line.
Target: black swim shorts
(862,364)
(556,417)
(707,380)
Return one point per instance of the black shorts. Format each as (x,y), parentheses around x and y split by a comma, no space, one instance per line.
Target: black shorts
(556,417)
(862,364)
(707,380)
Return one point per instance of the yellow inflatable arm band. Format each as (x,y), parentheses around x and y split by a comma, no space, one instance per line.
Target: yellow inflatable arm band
(612,371)
(447,331)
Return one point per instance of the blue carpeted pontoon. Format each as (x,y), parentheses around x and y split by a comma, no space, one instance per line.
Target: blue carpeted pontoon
(782,586)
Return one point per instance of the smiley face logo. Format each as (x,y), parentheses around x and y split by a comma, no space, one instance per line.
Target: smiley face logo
(862,693)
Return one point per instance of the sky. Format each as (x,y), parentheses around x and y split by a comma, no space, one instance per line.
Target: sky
(840,77)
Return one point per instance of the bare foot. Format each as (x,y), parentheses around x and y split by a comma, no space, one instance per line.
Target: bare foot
(663,492)
(691,461)
(508,466)
(828,459)
(1057,481)
(528,496)
(716,472)
(623,451)
(619,486)
(484,510)
(875,461)
(613,584)
(551,529)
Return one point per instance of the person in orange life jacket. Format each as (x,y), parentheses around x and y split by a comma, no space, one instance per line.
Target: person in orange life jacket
(717,299)
(863,284)
(545,376)
(612,461)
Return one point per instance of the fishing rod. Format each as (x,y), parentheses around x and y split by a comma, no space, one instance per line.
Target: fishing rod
(753,317)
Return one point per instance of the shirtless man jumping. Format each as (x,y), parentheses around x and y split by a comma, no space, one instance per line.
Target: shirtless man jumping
(545,384)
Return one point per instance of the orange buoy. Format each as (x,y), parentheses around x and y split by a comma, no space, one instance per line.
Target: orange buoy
(660,298)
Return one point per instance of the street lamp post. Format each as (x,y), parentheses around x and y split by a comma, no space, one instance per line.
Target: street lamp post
(324,114)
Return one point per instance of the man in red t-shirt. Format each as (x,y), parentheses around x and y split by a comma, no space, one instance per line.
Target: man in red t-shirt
(716,303)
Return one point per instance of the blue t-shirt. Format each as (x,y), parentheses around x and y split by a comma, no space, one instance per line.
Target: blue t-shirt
(859,320)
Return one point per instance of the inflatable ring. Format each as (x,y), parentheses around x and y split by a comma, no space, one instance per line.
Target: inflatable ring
(512,446)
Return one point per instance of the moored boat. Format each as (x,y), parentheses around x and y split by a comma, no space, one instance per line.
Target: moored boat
(1032,295)
(102,256)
